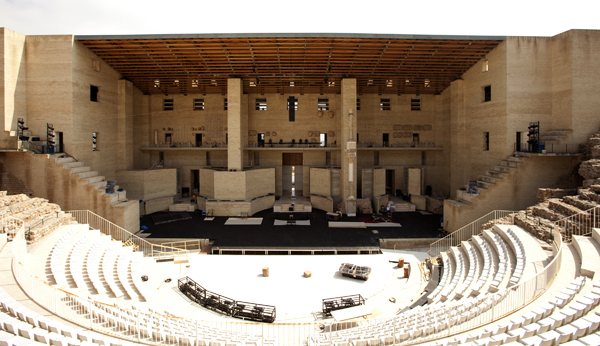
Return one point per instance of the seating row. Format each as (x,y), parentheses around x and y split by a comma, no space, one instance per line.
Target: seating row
(458,273)
(444,279)
(473,265)
(21,326)
(486,251)
(503,259)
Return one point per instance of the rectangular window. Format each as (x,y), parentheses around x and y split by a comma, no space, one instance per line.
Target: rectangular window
(415,104)
(96,65)
(486,141)
(357,104)
(198,104)
(323,104)
(487,93)
(485,66)
(94,93)
(295,104)
(261,104)
(94,141)
(167,104)
(385,105)
(225,104)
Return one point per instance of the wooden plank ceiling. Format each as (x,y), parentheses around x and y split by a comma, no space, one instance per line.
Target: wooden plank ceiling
(288,65)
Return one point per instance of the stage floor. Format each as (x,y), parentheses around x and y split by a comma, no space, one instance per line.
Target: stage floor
(296,298)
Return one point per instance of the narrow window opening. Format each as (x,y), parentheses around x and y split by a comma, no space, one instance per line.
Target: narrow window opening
(487,93)
(225,104)
(485,66)
(94,141)
(198,104)
(415,104)
(323,104)
(385,105)
(261,104)
(167,104)
(486,141)
(94,93)
(357,104)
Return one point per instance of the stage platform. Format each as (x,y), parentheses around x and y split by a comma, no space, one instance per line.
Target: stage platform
(281,250)
(300,205)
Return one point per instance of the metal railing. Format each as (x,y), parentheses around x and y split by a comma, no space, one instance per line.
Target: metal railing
(466,232)
(552,148)
(398,145)
(190,245)
(581,223)
(174,145)
(158,252)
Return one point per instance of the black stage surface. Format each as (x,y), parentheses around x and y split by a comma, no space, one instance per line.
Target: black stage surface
(318,234)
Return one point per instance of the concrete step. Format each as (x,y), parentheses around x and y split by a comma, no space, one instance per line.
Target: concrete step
(496,174)
(100,185)
(94,179)
(62,160)
(515,159)
(72,164)
(484,184)
(509,163)
(502,169)
(80,169)
(87,174)
(488,178)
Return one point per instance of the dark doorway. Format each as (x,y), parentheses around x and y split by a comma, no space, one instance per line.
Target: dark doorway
(168,138)
(415,138)
(390,181)
(59,142)
(386,140)
(198,140)
(195,180)
(518,144)
(261,140)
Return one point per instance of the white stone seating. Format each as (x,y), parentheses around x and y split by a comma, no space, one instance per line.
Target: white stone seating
(123,272)
(503,259)
(569,292)
(444,280)
(58,252)
(31,328)
(458,273)
(136,261)
(518,249)
(93,262)
(109,267)
(471,254)
(484,248)
(75,259)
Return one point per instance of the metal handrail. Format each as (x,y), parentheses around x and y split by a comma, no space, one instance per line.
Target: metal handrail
(466,232)
(580,224)
(117,232)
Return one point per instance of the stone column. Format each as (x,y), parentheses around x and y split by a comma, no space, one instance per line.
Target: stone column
(125,125)
(347,132)
(458,137)
(237,123)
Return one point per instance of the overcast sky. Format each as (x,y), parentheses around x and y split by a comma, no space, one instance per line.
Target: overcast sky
(480,17)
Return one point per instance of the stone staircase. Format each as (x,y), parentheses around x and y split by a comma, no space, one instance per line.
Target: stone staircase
(491,177)
(85,173)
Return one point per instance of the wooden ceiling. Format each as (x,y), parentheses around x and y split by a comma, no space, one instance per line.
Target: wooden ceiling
(395,64)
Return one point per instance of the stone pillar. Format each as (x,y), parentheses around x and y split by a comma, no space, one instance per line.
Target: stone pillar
(125,125)
(459,154)
(237,123)
(347,132)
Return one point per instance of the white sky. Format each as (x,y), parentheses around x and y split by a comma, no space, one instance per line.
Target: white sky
(449,17)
